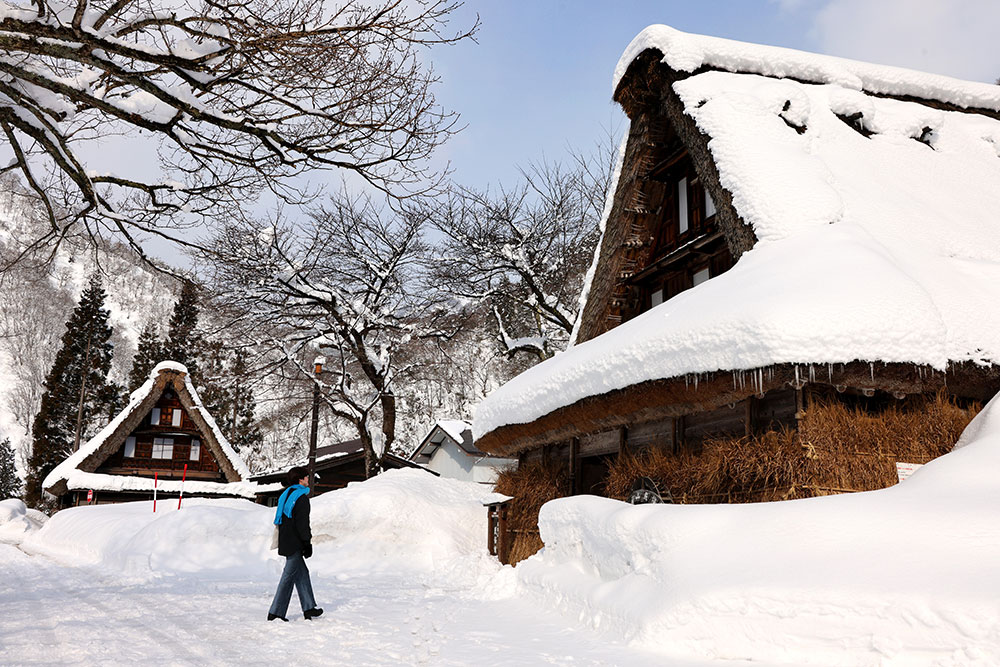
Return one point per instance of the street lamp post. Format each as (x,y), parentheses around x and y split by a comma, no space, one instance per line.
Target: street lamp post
(314,430)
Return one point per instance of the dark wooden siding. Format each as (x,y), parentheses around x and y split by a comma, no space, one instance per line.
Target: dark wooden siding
(596,444)
(726,420)
(205,468)
(775,410)
(655,434)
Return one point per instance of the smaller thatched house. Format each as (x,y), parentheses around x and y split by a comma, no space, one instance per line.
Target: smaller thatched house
(448,449)
(337,465)
(787,230)
(163,428)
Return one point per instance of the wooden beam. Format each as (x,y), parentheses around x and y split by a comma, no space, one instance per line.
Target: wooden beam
(574,465)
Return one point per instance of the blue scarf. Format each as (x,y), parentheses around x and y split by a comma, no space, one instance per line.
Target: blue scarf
(287,501)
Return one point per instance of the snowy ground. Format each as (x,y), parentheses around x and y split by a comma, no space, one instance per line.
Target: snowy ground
(902,576)
(399,569)
(78,615)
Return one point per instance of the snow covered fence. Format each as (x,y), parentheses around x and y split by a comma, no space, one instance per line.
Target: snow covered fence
(904,574)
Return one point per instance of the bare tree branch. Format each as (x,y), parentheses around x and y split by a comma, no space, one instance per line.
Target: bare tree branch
(350,283)
(235,97)
(524,252)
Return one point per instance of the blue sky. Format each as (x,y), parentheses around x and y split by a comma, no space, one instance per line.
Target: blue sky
(539,78)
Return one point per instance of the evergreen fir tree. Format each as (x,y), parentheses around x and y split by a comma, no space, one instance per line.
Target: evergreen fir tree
(76,389)
(244,431)
(10,483)
(183,342)
(149,354)
(212,383)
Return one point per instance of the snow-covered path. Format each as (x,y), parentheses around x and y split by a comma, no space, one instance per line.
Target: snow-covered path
(58,614)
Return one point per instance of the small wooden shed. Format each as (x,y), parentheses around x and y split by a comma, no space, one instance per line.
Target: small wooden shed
(337,465)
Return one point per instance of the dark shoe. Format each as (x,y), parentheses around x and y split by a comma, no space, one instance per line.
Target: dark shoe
(312,613)
(271,617)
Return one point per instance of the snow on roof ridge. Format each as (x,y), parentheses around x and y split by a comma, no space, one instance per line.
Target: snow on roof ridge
(168,366)
(686,52)
(456,430)
(65,469)
(227,449)
(609,202)
(451,426)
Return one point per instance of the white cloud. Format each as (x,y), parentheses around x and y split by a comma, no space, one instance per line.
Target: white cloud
(953,37)
(789,5)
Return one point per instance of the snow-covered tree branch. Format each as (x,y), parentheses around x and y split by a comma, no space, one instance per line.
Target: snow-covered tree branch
(232,97)
(349,283)
(524,251)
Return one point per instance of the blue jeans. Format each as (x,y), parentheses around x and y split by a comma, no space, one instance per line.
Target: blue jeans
(295,574)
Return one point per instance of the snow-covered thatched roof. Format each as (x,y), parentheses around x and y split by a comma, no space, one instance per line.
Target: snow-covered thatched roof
(873,198)
(77,472)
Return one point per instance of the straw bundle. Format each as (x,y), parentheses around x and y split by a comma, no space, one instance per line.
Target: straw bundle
(836,449)
(531,486)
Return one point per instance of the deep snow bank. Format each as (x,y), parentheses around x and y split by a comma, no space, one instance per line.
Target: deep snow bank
(405,519)
(904,575)
(402,519)
(16,520)
(224,535)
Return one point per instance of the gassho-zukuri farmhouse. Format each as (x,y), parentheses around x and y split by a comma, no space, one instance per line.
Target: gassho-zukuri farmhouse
(163,429)
(786,228)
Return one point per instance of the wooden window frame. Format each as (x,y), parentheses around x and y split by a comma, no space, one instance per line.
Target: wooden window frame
(163,443)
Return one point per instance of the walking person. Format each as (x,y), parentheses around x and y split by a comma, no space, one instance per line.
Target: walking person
(295,544)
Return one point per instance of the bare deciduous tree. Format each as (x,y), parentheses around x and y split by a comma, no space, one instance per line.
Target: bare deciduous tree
(349,283)
(238,97)
(525,251)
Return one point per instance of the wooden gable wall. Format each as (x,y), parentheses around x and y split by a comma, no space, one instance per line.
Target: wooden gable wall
(663,234)
(164,446)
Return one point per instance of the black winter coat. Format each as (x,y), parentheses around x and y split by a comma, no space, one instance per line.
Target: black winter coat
(294,534)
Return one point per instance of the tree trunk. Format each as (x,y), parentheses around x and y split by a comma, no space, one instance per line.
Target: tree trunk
(371,460)
(388,400)
(83,392)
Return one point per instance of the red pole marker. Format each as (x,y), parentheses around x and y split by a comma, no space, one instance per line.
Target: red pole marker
(156,477)
(183,477)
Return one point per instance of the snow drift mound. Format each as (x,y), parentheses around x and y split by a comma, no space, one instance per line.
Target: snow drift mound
(17,521)
(223,535)
(902,575)
(403,519)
